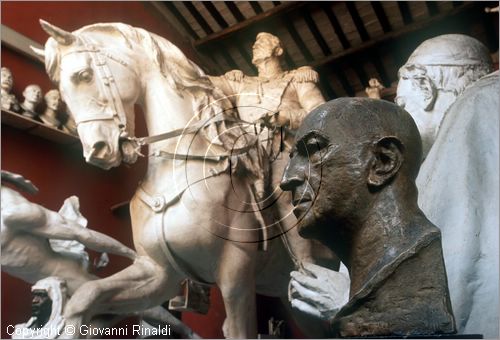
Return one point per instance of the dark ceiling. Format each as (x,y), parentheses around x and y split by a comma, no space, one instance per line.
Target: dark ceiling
(346,42)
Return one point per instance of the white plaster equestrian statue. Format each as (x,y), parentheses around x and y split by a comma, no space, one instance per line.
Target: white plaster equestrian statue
(192,215)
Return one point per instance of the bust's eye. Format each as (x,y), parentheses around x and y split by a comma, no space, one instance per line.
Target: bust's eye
(85,76)
(314,145)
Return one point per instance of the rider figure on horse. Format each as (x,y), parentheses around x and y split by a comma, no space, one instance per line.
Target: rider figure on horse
(275,99)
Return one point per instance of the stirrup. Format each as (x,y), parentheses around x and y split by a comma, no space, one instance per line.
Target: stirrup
(195,298)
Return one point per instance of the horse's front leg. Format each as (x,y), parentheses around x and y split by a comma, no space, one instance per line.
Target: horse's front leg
(236,280)
(140,286)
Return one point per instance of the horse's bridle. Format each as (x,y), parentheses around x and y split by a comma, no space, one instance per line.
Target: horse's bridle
(116,111)
(106,82)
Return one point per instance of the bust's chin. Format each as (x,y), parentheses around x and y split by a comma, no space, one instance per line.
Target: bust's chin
(307,226)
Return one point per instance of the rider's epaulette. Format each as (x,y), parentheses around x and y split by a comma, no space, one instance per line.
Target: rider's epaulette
(235,75)
(305,74)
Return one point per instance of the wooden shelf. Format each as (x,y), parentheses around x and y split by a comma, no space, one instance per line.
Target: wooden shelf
(38,129)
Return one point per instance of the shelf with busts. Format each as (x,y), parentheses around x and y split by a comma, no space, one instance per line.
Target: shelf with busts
(39,129)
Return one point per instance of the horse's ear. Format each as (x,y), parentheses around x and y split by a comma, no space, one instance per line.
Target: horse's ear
(61,36)
(39,53)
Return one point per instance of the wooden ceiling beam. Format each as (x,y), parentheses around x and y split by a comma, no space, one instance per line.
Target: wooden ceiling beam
(326,6)
(381,16)
(198,17)
(393,36)
(432,8)
(404,9)
(358,22)
(277,11)
(316,33)
(171,7)
(235,11)
(256,7)
(215,14)
(297,39)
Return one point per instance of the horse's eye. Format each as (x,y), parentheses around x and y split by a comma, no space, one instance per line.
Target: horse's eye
(85,76)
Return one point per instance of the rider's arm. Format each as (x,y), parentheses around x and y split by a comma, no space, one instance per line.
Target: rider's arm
(308,95)
(229,83)
(308,92)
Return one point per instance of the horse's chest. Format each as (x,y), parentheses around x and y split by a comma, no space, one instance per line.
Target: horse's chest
(167,235)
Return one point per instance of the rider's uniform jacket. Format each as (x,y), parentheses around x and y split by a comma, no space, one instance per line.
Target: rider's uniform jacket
(292,93)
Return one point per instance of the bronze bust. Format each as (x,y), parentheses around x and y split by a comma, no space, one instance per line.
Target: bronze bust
(352,176)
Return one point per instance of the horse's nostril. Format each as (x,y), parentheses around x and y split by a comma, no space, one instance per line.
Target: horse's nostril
(99,150)
(99,145)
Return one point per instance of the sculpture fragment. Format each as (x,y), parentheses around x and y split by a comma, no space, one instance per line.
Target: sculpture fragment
(32,98)
(9,100)
(46,321)
(60,265)
(436,73)
(374,88)
(51,114)
(458,187)
(459,190)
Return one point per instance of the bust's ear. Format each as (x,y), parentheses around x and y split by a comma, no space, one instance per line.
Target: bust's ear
(429,90)
(387,159)
(278,51)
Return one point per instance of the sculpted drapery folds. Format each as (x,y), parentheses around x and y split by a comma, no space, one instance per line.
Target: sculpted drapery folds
(436,73)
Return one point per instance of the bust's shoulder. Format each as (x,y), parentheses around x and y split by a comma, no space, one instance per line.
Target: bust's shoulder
(304,74)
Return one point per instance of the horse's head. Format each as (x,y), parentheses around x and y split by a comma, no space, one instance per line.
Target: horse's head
(100,87)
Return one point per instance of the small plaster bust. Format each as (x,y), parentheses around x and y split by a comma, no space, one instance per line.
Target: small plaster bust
(436,73)
(41,307)
(32,97)
(9,101)
(46,322)
(374,88)
(352,176)
(50,115)
(69,125)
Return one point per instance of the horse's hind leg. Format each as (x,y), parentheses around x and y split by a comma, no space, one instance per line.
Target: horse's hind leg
(142,285)
(236,280)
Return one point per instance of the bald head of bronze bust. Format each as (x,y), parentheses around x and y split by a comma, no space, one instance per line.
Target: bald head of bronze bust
(352,175)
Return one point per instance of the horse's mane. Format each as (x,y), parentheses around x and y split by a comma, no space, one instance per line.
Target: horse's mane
(181,72)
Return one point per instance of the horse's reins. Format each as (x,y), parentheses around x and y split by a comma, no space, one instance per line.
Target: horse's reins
(112,96)
(193,129)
